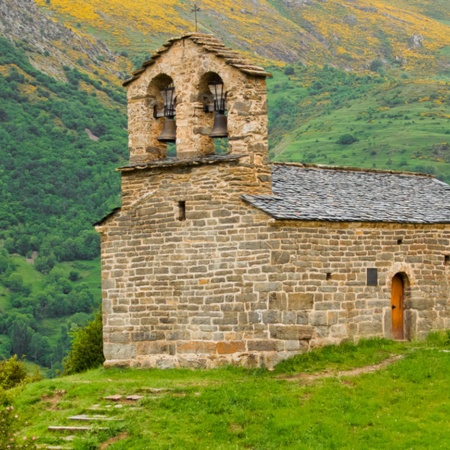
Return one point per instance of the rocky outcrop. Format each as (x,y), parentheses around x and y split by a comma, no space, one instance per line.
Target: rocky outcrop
(49,44)
(416,41)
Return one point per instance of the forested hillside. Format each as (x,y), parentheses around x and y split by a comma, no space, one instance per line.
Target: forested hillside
(356,83)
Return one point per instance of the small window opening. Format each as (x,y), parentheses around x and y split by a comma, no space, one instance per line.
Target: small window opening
(372,277)
(399,241)
(221,146)
(182,210)
(329,275)
(447,260)
(171,150)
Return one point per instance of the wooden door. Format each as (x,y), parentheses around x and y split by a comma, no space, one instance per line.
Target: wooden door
(397,307)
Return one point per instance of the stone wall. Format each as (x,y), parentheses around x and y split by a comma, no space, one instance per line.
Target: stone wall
(231,285)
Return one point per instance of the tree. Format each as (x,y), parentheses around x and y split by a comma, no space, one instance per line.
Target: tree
(375,65)
(87,347)
(346,139)
(289,70)
(21,335)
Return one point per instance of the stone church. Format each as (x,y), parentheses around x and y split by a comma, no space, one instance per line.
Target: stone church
(220,257)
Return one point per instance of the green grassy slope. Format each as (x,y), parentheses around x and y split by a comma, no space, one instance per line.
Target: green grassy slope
(402,406)
(397,123)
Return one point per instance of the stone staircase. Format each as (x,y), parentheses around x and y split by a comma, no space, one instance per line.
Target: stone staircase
(94,419)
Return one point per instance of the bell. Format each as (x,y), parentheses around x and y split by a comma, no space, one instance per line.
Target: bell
(169,131)
(220,127)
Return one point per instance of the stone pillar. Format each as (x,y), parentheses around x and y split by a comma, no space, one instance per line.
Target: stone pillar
(143,131)
(247,120)
(193,126)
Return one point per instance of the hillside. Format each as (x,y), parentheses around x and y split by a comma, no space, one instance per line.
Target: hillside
(400,123)
(400,404)
(348,34)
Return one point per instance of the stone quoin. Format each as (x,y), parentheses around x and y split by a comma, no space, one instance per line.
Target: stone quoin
(226,259)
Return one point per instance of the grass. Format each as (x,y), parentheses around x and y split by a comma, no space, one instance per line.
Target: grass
(401,407)
(402,125)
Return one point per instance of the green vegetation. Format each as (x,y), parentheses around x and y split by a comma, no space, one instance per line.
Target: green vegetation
(328,116)
(401,406)
(55,180)
(38,311)
(87,347)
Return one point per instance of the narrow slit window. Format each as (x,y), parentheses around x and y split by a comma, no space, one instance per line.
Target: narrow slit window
(182,210)
(400,241)
(372,277)
(329,275)
(447,260)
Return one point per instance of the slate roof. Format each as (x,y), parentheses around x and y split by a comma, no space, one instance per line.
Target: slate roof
(212,45)
(315,193)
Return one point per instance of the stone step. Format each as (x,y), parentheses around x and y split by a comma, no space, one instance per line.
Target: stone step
(97,417)
(74,429)
(114,398)
(156,390)
(134,398)
(57,447)
(109,408)
(121,398)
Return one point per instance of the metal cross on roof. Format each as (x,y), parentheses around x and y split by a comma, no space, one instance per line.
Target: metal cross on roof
(195,10)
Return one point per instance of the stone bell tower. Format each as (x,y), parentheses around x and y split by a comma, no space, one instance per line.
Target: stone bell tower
(173,289)
(191,65)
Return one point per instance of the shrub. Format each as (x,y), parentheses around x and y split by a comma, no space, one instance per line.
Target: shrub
(87,347)
(8,438)
(346,139)
(12,372)
(375,65)
(289,70)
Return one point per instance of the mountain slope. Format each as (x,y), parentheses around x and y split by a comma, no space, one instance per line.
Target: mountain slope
(49,45)
(346,33)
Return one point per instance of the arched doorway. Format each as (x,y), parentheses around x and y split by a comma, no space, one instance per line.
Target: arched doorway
(397,307)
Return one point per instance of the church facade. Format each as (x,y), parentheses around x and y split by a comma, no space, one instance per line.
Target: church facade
(222,258)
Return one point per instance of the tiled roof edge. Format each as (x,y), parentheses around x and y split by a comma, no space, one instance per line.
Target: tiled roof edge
(212,45)
(353,169)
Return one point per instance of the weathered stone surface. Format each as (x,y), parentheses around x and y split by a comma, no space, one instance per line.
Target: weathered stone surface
(299,301)
(291,332)
(224,348)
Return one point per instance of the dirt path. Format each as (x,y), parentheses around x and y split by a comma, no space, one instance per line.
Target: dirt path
(344,373)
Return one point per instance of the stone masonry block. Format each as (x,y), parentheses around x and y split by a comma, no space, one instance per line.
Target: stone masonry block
(224,348)
(152,348)
(318,318)
(279,257)
(421,303)
(197,347)
(370,328)
(291,332)
(300,301)
(262,345)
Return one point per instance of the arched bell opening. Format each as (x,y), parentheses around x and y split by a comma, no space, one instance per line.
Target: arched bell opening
(213,96)
(162,101)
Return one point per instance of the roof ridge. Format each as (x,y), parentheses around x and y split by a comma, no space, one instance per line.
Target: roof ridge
(353,169)
(211,44)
